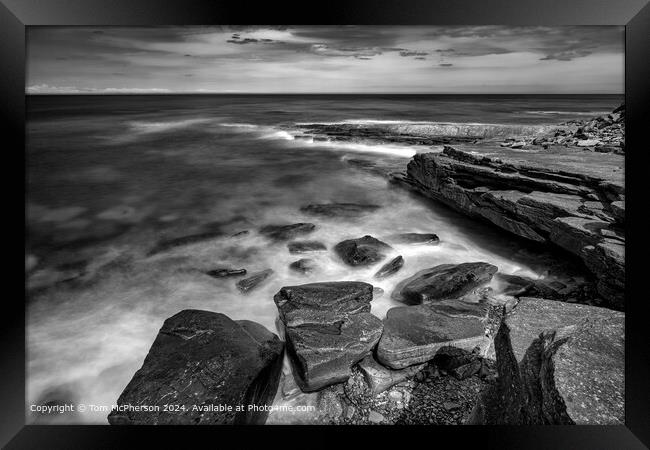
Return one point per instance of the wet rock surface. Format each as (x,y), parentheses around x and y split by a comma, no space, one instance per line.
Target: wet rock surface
(255,280)
(390,268)
(558,363)
(415,334)
(204,358)
(443,281)
(364,251)
(303,265)
(222,273)
(558,196)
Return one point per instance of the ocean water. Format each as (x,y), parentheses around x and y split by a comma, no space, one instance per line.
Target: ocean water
(109,178)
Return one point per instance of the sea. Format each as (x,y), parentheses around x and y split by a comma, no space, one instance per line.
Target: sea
(112,180)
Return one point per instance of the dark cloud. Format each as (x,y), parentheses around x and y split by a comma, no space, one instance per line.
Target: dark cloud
(567,55)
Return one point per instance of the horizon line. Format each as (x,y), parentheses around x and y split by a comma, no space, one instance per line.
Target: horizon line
(98,94)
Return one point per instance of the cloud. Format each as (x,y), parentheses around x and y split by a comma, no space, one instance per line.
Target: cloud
(411,53)
(566,55)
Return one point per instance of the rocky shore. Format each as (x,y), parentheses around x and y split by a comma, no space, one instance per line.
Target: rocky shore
(467,343)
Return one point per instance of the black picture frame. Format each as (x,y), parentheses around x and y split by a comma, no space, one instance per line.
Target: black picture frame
(15,15)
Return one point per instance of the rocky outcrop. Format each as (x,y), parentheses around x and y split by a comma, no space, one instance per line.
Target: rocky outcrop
(255,280)
(346,210)
(328,328)
(390,268)
(443,281)
(286,232)
(558,363)
(364,251)
(414,334)
(201,359)
(560,197)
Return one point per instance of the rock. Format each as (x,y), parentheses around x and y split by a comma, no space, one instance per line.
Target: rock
(304,266)
(443,281)
(588,142)
(413,238)
(252,282)
(341,297)
(380,378)
(552,288)
(363,251)
(328,329)
(618,210)
(558,363)
(377,292)
(306,247)
(390,268)
(348,210)
(200,359)
(546,197)
(466,370)
(168,244)
(286,232)
(519,144)
(375,417)
(221,273)
(414,334)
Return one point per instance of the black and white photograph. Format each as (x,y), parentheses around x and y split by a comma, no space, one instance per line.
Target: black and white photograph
(325,225)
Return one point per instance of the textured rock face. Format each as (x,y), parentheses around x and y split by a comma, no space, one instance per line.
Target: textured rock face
(364,251)
(414,238)
(252,282)
(568,198)
(443,281)
(203,358)
(558,363)
(414,334)
(328,328)
(304,266)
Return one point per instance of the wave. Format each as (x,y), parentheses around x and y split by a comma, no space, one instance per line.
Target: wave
(158,127)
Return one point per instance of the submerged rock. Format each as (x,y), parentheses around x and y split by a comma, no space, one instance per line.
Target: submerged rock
(568,289)
(286,232)
(348,210)
(200,359)
(252,282)
(558,363)
(168,244)
(306,247)
(328,329)
(390,268)
(221,273)
(413,238)
(443,281)
(364,251)
(414,334)
(304,266)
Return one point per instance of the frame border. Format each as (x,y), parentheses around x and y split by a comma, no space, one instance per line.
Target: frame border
(15,15)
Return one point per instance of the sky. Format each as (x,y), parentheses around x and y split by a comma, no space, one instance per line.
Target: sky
(326,59)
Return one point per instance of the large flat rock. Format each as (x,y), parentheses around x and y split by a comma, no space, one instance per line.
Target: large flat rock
(567,197)
(200,359)
(414,334)
(363,251)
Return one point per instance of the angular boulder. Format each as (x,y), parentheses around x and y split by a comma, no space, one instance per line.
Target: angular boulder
(364,251)
(328,328)
(414,334)
(380,378)
(443,281)
(200,359)
(558,363)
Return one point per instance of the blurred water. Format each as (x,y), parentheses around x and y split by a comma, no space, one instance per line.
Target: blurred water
(110,177)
